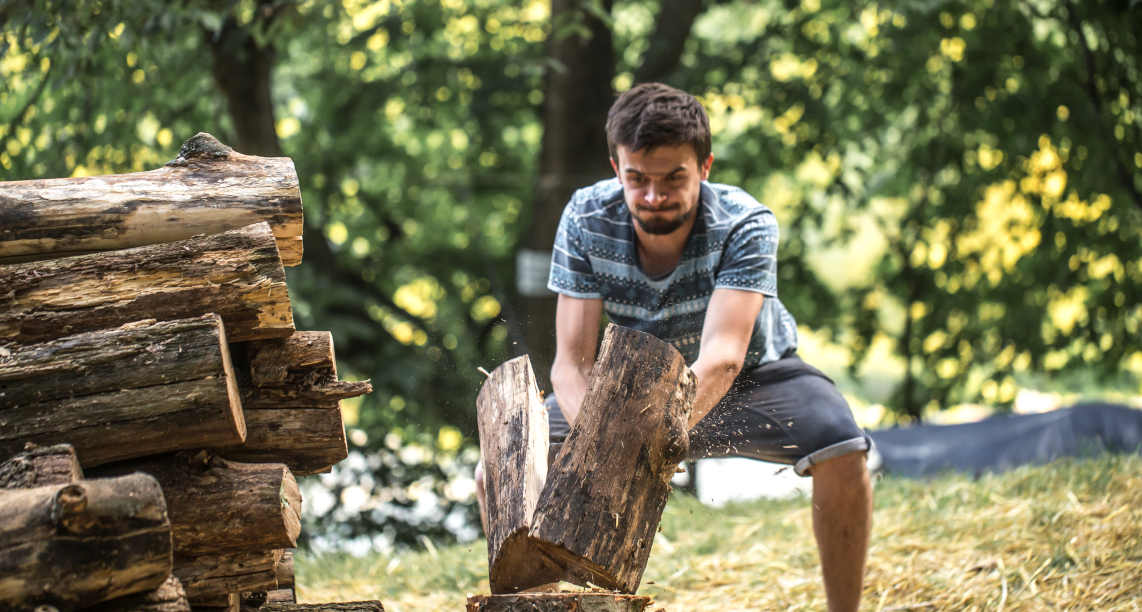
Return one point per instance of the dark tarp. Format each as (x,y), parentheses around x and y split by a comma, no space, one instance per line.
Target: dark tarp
(1003,442)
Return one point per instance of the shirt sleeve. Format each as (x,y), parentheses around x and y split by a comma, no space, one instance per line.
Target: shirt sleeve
(571,272)
(749,260)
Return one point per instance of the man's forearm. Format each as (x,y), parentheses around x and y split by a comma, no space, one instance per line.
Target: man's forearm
(714,380)
(570,385)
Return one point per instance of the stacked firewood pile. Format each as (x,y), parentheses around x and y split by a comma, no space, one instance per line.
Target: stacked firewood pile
(156,402)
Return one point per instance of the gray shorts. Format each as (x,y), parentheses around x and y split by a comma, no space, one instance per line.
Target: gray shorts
(785,411)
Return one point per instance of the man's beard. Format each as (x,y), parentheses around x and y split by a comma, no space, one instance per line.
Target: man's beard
(662,226)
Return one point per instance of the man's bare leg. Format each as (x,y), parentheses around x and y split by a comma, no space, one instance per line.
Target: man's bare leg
(842,520)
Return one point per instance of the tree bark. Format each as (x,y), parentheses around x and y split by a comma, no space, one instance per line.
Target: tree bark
(209,579)
(604,496)
(306,440)
(40,466)
(209,188)
(513,442)
(82,543)
(298,371)
(168,597)
(281,596)
(558,602)
(345,606)
(236,274)
(140,389)
(218,506)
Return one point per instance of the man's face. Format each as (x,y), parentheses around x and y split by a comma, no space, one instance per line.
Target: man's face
(661,185)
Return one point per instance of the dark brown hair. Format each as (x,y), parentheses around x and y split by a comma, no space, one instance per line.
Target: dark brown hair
(651,115)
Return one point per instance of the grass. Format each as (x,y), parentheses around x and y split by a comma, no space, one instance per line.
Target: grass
(1066,536)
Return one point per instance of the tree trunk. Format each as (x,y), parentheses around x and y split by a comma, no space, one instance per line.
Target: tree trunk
(558,602)
(218,506)
(82,543)
(40,466)
(141,389)
(513,443)
(306,440)
(168,597)
(236,274)
(209,579)
(209,188)
(577,95)
(604,496)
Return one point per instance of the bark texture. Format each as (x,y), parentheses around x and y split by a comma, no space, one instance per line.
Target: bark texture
(40,466)
(558,602)
(209,188)
(306,440)
(211,578)
(513,443)
(298,371)
(236,274)
(345,606)
(140,389)
(82,543)
(167,597)
(218,506)
(605,493)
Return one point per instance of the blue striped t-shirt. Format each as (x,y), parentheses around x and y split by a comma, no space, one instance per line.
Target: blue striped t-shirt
(732,245)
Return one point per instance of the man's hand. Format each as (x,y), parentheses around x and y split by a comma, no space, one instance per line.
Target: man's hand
(726,333)
(576,340)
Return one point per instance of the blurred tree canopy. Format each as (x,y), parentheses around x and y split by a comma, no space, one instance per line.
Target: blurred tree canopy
(957,181)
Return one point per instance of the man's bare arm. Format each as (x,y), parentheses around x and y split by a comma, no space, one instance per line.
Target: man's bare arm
(726,333)
(576,340)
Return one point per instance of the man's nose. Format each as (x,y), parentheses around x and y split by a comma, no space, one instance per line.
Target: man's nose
(655,193)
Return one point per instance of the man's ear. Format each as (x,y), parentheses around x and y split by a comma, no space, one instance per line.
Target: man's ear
(705,166)
(615,167)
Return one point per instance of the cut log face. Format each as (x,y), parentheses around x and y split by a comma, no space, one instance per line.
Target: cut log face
(558,602)
(40,466)
(211,578)
(604,496)
(298,371)
(236,274)
(82,543)
(218,506)
(141,389)
(513,441)
(209,188)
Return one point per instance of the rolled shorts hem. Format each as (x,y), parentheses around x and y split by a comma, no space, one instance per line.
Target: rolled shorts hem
(840,449)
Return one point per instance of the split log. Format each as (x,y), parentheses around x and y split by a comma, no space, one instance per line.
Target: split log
(283,569)
(40,466)
(558,602)
(344,606)
(298,371)
(236,274)
(279,596)
(141,389)
(307,440)
(211,578)
(82,543)
(209,188)
(513,442)
(604,496)
(168,597)
(218,506)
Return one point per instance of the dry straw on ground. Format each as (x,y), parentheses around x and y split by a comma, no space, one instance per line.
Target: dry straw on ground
(1067,536)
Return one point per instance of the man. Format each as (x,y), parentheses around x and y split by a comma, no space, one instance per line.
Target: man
(693,263)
